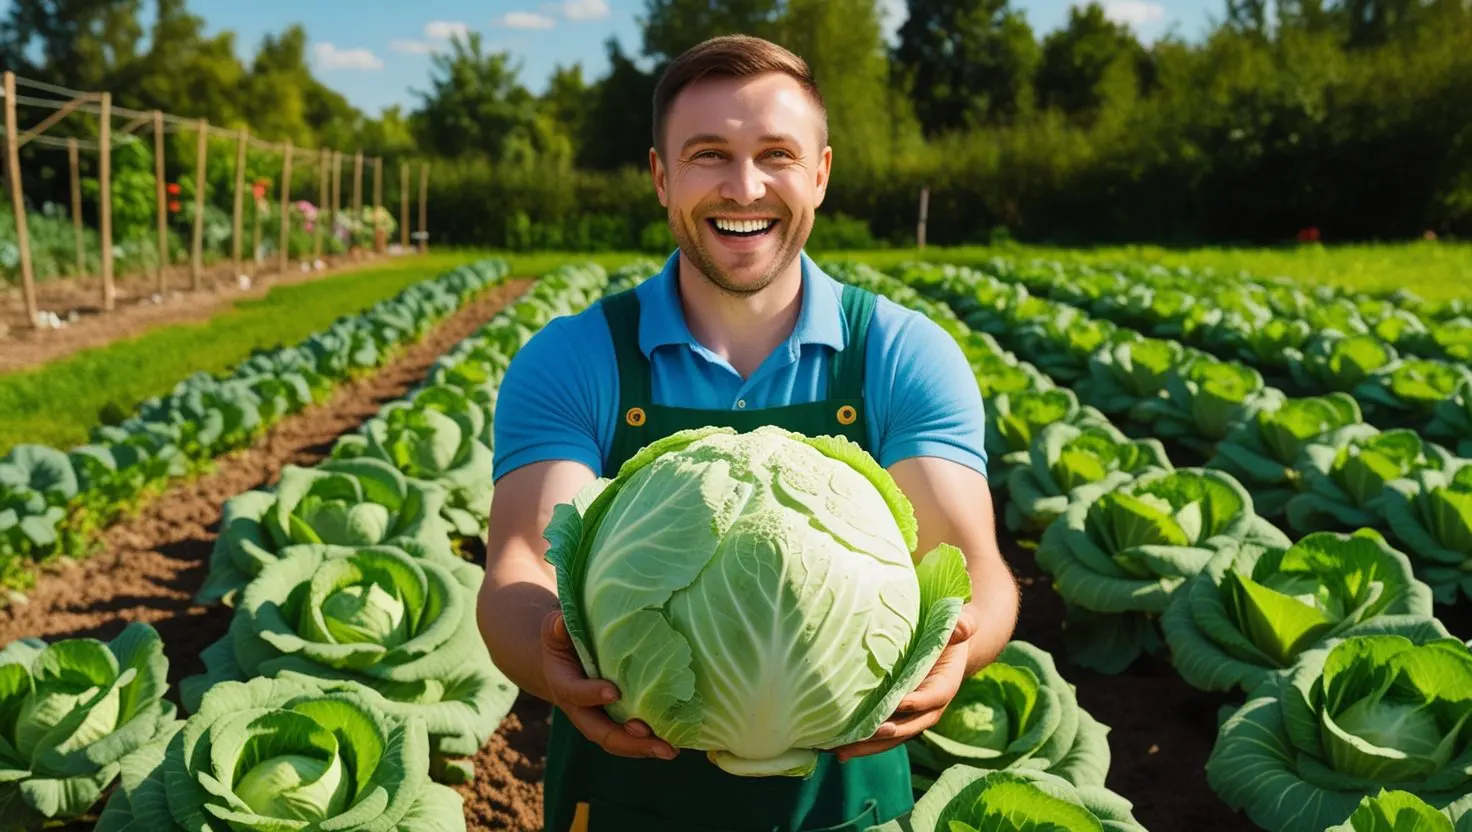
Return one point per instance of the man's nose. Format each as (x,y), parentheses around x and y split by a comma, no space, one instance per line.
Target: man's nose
(745,184)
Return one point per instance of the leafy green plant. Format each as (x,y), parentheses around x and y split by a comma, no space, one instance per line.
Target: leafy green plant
(1261,451)
(380,617)
(1352,717)
(1015,419)
(1067,463)
(708,550)
(75,715)
(342,502)
(1122,553)
(1430,512)
(1123,376)
(1335,362)
(1407,393)
(1017,712)
(292,752)
(1451,421)
(1204,400)
(1393,810)
(968,799)
(1251,612)
(1344,474)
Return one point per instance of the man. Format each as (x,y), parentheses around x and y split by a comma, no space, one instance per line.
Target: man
(740,329)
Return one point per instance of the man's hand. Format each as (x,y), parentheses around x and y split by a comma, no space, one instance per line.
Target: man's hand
(923,707)
(582,699)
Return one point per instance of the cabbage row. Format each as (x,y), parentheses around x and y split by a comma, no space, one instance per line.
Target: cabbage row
(1308,463)
(352,685)
(1355,697)
(53,502)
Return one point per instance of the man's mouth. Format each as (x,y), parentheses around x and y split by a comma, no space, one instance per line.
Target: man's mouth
(742,228)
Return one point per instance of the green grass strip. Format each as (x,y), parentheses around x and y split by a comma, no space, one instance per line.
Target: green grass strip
(57,404)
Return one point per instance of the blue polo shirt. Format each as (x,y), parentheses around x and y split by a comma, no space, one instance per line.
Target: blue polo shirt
(559,399)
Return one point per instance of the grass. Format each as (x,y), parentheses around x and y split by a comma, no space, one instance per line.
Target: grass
(58,404)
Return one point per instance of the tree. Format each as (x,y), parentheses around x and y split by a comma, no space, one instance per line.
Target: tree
(566,103)
(967,63)
(476,104)
(672,26)
(620,126)
(1089,66)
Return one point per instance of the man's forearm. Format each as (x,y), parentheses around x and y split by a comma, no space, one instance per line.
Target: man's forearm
(513,601)
(994,604)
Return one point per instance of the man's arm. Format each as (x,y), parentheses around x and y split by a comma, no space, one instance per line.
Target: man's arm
(953,505)
(520,618)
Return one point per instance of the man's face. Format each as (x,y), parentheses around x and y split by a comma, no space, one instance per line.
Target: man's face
(744,170)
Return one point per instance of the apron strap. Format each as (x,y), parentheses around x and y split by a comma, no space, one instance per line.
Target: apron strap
(622,311)
(847,372)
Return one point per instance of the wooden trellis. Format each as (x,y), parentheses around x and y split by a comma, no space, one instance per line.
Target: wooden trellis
(66,102)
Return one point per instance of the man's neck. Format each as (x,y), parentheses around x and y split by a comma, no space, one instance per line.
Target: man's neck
(741,329)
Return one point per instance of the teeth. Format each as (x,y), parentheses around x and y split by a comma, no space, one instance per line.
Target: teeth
(743,226)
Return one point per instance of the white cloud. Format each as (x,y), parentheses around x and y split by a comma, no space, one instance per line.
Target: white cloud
(446,30)
(1134,12)
(893,14)
(361,60)
(413,47)
(584,9)
(527,20)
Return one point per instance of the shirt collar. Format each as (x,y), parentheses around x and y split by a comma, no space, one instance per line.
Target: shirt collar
(662,320)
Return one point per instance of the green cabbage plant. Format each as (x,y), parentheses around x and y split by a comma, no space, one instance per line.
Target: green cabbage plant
(968,799)
(378,616)
(1251,612)
(1343,476)
(1204,400)
(1122,553)
(1061,342)
(753,595)
(1396,811)
(1124,375)
(442,437)
(1068,463)
(76,714)
(1352,717)
(1431,514)
(1261,451)
(1015,419)
(342,502)
(1017,712)
(1407,394)
(1335,362)
(1451,421)
(288,753)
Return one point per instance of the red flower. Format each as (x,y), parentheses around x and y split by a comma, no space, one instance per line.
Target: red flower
(173,189)
(174,206)
(260,190)
(1308,235)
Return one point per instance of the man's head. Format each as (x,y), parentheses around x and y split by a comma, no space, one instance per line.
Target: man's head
(740,158)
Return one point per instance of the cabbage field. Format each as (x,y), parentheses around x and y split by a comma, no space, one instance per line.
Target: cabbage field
(1240,510)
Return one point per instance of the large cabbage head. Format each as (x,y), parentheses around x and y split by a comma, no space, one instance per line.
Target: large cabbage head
(1345,473)
(288,753)
(753,595)
(1335,362)
(1352,717)
(970,799)
(1252,612)
(1068,463)
(1406,394)
(74,715)
(1431,513)
(1261,451)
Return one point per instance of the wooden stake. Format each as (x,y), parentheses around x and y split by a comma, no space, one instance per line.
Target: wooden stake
(17,202)
(104,176)
(196,264)
(924,216)
(282,253)
(235,240)
(76,167)
(404,214)
(322,158)
(423,207)
(377,202)
(160,198)
(336,188)
(358,185)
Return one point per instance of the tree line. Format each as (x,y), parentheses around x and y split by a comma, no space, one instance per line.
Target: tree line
(1350,118)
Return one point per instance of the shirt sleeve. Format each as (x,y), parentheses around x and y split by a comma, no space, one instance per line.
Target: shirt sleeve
(930,403)
(556,400)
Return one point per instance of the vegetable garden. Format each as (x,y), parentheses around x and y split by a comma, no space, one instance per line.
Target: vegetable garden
(1241,512)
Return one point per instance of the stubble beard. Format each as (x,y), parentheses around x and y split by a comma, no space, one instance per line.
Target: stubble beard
(690,245)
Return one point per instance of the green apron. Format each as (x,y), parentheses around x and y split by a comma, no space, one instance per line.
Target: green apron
(589,790)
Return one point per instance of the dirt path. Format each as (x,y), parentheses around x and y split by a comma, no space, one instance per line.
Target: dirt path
(135,313)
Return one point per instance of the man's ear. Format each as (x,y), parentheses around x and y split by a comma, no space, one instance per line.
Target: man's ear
(825,169)
(657,174)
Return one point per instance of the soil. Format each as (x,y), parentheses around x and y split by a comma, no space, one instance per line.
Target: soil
(148,567)
(134,311)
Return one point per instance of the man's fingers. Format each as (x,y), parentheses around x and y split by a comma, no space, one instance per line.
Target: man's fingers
(865,748)
(939,686)
(614,738)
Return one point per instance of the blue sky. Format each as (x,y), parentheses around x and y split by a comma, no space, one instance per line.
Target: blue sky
(377,51)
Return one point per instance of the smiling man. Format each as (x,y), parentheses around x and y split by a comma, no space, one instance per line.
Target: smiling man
(741,329)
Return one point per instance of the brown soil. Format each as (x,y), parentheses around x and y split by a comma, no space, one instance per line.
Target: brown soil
(507,793)
(134,311)
(149,567)
(1161,729)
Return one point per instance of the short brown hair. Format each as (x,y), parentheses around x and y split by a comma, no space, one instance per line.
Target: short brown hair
(730,56)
